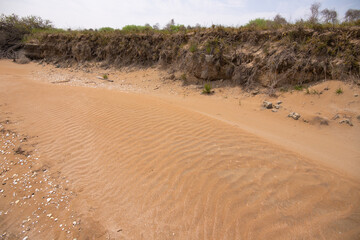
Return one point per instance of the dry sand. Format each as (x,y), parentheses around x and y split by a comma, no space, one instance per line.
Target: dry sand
(143,157)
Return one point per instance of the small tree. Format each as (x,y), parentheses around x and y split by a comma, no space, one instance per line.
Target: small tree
(314,17)
(156,26)
(352,15)
(279,20)
(170,24)
(329,16)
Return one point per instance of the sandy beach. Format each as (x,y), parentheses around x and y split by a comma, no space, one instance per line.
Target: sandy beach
(146,157)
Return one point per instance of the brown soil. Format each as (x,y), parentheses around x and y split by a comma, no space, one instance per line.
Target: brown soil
(143,157)
(245,57)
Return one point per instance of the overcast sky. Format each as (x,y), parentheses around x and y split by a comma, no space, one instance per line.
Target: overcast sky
(117,13)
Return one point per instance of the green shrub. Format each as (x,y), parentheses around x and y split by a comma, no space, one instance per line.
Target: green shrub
(177,28)
(136,28)
(207,88)
(193,47)
(106,29)
(105,76)
(257,23)
(339,91)
(298,87)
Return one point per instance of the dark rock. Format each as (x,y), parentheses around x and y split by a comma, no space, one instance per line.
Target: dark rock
(346,121)
(255,92)
(267,105)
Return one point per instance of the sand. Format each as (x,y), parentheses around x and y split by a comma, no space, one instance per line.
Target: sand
(143,157)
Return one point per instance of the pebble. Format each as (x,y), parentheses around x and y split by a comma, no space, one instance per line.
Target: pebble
(294,115)
(356,95)
(346,121)
(267,105)
(336,117)
(48,200)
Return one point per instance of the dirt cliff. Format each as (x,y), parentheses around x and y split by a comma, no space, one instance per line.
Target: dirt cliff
(248,57)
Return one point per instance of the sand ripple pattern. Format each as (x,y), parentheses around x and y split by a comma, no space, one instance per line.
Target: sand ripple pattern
(158,171)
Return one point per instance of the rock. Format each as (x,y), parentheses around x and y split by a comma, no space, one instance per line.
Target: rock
(279,102)
(267,105)
(48,200)
(255,92)
(346,121)
(336,117)
(274,110)
(326,89)
(356,95)
(294,115)
(277,106)
(49,215)
(25,238)
(358,117)
(17,201)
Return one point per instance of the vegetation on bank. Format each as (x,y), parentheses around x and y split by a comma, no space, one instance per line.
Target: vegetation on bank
(319,19)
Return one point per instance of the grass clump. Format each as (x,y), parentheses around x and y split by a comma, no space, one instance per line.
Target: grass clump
(312,91)
(136,28)
(315,92)
(105,76)
(258,23)
(193,47)
(298,87)
(284,90)
(339,91)
(207,88)
(106,29)
(183,77)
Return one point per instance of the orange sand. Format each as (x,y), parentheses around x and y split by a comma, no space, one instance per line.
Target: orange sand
(146,158)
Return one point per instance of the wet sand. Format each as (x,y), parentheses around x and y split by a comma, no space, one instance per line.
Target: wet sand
(134,163)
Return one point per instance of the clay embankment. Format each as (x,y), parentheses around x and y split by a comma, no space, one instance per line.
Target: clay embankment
(245,57)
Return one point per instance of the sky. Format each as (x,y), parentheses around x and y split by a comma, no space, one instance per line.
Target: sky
(81,14)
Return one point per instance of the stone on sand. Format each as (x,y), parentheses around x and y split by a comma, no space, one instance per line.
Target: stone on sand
(294,115)
(267,105)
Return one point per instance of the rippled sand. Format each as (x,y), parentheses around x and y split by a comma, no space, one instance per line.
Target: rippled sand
(142,168)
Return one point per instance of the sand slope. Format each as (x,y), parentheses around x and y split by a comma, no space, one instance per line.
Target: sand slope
(145,169)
